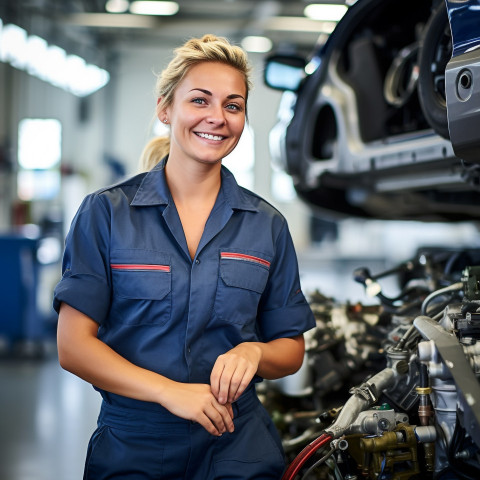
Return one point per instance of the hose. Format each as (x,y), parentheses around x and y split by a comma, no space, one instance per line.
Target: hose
(304,455)
(319,462)
(451,288)
(301,439)
(406,336)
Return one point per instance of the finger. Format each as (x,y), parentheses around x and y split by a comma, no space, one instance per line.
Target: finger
(229,407)
(235,383)
(244,383)
(215,376)
(229,422)
(226,411)
(205,421)
(241,378)
(220,417)
(224,384)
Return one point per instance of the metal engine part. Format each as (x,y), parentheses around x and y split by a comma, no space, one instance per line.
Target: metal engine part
(415,414)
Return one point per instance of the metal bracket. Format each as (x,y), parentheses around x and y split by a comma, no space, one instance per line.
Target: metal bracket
(457,364)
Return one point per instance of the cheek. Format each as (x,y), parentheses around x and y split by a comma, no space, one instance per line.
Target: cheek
(184,117)
(239,127)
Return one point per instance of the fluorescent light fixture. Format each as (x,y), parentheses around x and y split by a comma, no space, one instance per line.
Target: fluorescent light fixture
(298,24)
(12,45)
(49,62)
(325,12)
(55,60)
(116,6)
(36,52)
(256,44)
(107,20)
(154,8)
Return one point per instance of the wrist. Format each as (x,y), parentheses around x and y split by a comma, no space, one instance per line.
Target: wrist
(258,349)
(162,387)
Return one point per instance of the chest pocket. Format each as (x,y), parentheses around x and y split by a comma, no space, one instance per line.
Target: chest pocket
(241,282)
(142,287)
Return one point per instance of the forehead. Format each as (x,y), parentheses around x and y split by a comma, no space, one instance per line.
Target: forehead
(216,77)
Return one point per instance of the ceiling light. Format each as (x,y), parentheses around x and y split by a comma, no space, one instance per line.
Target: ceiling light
(107,20)
(49,62)
(154,8)
(116,6)
(257,44)
(325,12)
(298,24)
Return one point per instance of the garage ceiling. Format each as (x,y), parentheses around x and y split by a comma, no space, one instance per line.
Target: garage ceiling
(84,27)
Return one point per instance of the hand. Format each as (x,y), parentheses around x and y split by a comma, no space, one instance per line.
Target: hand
(195,401)
(234,370)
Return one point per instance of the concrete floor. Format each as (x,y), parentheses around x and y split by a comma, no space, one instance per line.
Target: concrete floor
(46,418)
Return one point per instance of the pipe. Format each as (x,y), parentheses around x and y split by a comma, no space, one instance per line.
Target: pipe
(363,397)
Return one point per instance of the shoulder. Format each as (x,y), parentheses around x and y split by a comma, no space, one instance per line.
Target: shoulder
(124,185)
(102,202)
(124,189)
(262,205)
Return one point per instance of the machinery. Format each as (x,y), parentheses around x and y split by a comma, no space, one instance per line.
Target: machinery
(389,391)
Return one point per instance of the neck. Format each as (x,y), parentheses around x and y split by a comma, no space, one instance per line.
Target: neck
(192,182)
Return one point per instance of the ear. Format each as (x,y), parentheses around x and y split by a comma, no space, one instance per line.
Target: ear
(161,112)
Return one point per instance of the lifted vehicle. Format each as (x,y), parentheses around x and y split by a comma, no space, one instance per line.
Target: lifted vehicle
(363,127)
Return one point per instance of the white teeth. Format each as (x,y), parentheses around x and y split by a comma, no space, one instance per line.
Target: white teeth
(210,137)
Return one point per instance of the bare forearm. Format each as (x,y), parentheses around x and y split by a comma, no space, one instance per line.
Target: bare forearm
(82,354)
(281,357)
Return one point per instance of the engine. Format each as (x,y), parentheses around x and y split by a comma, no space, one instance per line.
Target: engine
(389,391)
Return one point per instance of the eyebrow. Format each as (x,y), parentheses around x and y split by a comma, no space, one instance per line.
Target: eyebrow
(207,92)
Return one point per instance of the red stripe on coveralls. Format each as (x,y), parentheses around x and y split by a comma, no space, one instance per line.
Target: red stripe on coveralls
(120,266)
(242,256)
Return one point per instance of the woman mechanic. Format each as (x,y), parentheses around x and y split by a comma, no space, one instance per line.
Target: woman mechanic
(180,291)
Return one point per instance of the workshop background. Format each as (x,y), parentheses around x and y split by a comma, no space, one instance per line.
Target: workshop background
(63,136)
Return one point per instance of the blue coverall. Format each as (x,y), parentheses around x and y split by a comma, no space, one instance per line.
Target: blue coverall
(127,266)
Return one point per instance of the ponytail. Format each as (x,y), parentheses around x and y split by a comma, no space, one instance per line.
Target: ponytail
(153,152)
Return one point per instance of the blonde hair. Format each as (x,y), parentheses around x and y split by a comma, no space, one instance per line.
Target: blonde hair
(209,48)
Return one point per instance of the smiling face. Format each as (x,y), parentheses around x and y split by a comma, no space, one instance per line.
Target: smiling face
(207,115)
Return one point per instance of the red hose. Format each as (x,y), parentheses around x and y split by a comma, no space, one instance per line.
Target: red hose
(304,455)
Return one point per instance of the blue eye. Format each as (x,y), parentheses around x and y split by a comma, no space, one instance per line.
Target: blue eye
(234,106)
(198,100)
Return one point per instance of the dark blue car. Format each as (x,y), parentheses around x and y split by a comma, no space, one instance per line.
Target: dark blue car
(382,120)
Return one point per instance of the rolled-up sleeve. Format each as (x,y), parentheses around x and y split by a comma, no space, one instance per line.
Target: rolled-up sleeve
(85,283)
(284,311)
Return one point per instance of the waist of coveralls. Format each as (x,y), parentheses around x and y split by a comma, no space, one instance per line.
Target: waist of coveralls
(148,421)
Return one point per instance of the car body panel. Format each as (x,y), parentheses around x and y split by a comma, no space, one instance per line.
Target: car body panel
(357,137)
(462,79)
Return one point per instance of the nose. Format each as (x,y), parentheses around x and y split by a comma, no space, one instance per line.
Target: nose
(216,115)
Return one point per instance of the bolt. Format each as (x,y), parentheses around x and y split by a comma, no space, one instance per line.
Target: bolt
(383,424)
